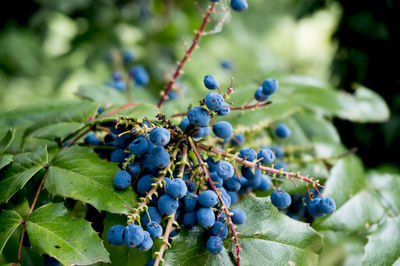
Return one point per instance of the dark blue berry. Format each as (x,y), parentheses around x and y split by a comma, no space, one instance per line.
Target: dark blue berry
(248,154)
(225,109)
(50,261)
(237,139)
(279,153)
(250,173)
(214,244)
(208,198)
(191,185)
(234,197)
(139,146)
(184,124)
(267,155)
(254,183)
(313,208)
(144,184)
(115,235)
(159,136)
(167,205)
(176,188)
(259,95)
(118,156)
(269,86)
(147,242)
(210,82)
(154,229)
(150,262)
(223,129)
(219,228)
(134,235)
(327,205)
(189,219)
(139,74)
(205,217)
(232,184)
(280,199)
(238,217)
(199,116)
(91,139)
(218,182)
(282,131)
(122,180)
(225,170)
(239,5)
(128,56)
(265,184)
(190,202)
(157,158)
(214,101)
(279,166)
(155,216)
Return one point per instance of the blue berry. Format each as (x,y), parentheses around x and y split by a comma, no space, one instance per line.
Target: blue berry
(190,202)
(50,261)
(267,155)
(172,95)
(191,185)
(176,188)
(226,64)
(214,101)
(280,199)
(139,74)
(157,158)
(218,182)
(279,166)
(232,184)
(212,165)
(205,217)
(237,139)
(123,141)
(225,170)
(155,216)
(144,184)
(115,234)
(159,136)
(278,151)
(199,116)
(223,129)
(254,183)
(145,123)
(282,131)
(225,197)
(167,205)
(259,95)
(189,219)
(154,229)
(327,205)
(150,262)
(204,132)
(122,180)
(248,153)
(119,85)
(133,169)
(208,198)
(265,184)
(250,173)
(313,208)
(147,242)
(234,197)
(184,124)
(118,156)
(269,86)
(128,56)
(214,244)
(91,139)
(210,82)
(225,109)
(219,228)
(139,146)
(134,235)
(238,217)
(239,5)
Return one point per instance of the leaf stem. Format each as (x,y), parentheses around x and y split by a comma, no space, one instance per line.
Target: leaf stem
(188,52)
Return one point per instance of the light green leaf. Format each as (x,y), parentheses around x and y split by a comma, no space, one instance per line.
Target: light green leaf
(7,139)
(78,173)
(102,94)
(383,244)
(9,221)
(356,214)
(140,111)
(24,167)
(346,179)
(388,187)
(53,231)
(57,131)
(5,160)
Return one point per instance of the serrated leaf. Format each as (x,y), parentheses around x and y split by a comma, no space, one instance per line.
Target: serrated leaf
(101,94)
(56,131)
(388,187)
(356,214)
(9,221)
(5,160)
(78,173)
(383,244)
(23,168)
(346,179)
(54,231)
(6,140)
(123,255)
(268,237)
(189,248)
(140,111)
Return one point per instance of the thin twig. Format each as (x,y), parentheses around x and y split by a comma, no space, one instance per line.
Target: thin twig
(195,42)
(165,243)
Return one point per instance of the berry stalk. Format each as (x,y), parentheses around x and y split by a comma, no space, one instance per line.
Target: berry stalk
(214,188)
(195,42)
(165,243)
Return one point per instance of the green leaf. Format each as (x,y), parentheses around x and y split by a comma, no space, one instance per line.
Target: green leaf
(346,179)
(24,167)
(388,187)
(140,111)
(355,214)
(54,231)
(7,139)
(9,220)
(383,244)
(78,173)
(268,237)
(101,94)
(57,131)
(123,255)
(5,160)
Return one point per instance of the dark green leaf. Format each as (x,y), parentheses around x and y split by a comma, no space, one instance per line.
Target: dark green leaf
(53,231)
(346,179)
(7,139)
(78,173)
(24,166)
(57,131)
(383,244)
(9,221)
(355,214)
(5,160)
(140,111)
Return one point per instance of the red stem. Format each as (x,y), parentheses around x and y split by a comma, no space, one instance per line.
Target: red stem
(187,55)
(164,245)
(214,188)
